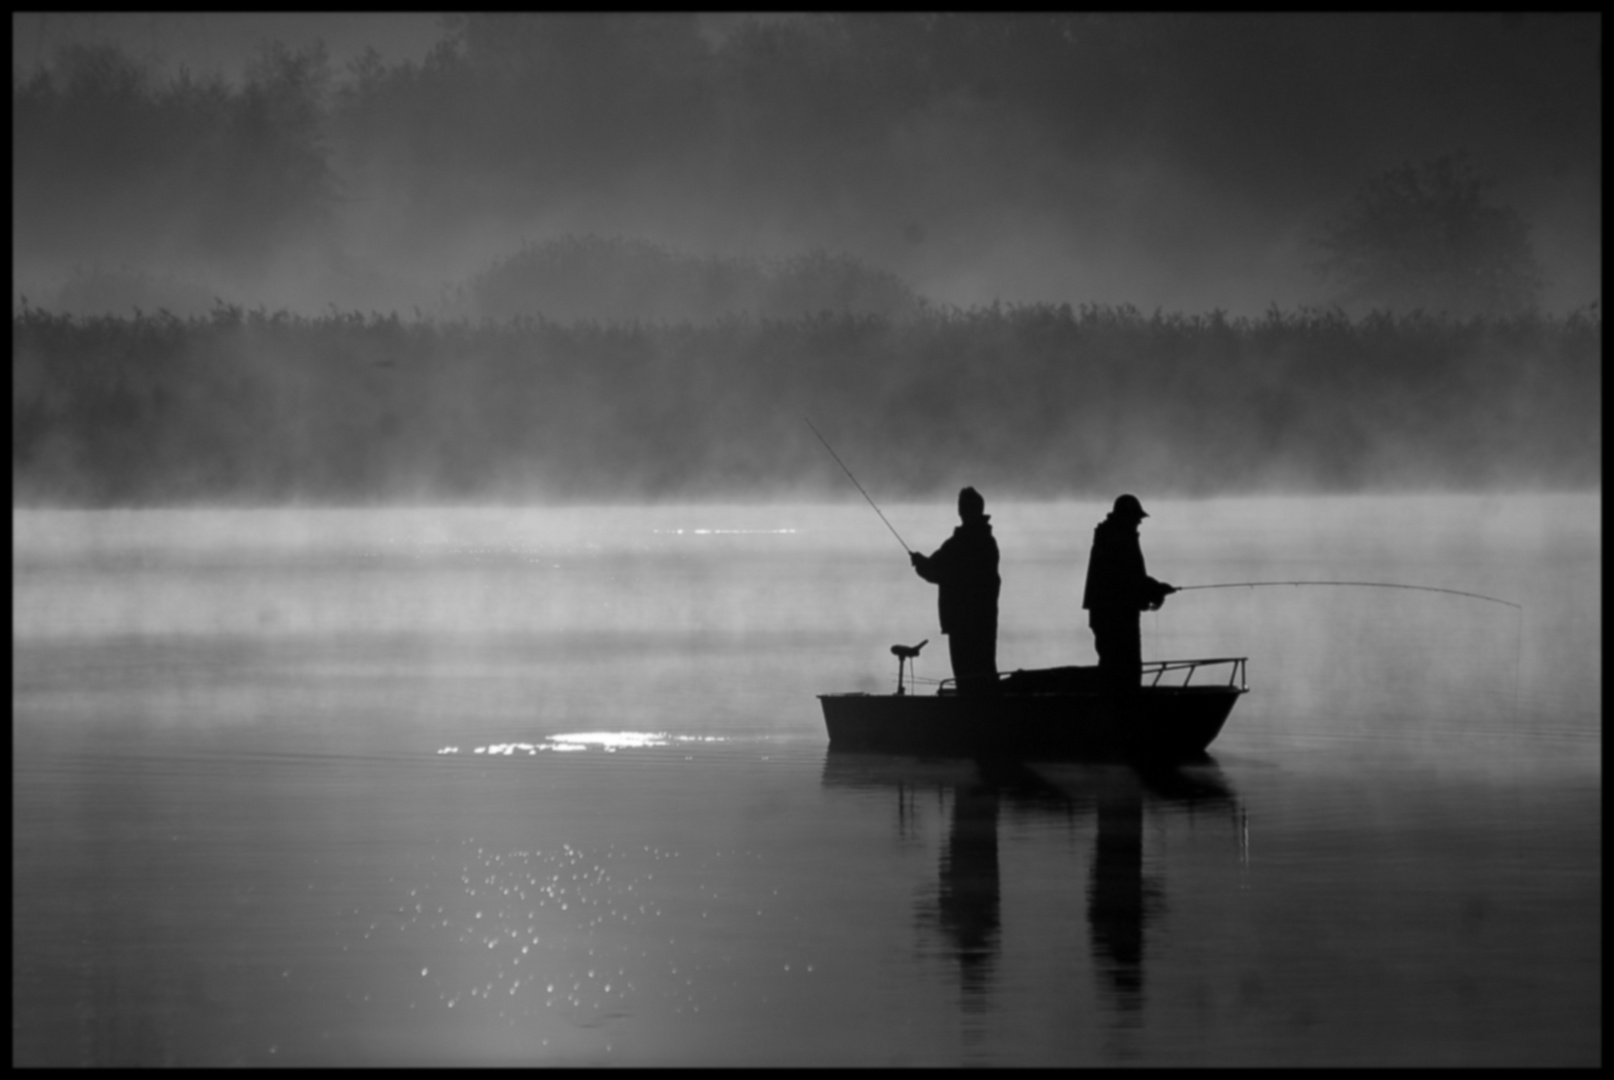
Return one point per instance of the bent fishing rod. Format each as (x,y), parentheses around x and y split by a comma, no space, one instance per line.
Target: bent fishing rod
(1357,584)
(906,550)
(1518,655)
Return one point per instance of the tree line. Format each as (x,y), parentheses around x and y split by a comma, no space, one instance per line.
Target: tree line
(1029,400)
(110,160)
(780,123)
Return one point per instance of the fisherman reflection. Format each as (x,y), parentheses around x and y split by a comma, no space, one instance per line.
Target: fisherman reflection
(967,897)
(1122,904)
(1119,904)
(965,568)
(967,910)
(1118,590)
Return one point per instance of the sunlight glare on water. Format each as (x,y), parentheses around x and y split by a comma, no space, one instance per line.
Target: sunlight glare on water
(609,741)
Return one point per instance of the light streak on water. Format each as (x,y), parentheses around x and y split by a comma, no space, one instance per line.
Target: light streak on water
(609,741)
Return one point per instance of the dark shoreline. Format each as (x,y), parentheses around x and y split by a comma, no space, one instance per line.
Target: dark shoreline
(1035,401)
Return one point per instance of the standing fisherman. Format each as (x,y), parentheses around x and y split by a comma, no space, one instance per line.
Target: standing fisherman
(966,569)
(1118,590)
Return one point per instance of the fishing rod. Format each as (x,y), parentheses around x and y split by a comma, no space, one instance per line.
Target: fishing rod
(905,548)
(1518,648)
(1358,584)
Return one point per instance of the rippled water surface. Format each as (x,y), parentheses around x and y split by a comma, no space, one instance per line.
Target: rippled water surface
(552,787)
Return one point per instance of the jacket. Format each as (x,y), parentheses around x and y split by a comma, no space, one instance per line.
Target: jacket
(966,569)
(1117,582)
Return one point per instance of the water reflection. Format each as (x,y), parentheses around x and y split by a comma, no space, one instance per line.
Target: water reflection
(1119,902)
(966,905)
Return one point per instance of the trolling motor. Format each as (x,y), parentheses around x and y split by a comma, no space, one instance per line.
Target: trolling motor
(904,653)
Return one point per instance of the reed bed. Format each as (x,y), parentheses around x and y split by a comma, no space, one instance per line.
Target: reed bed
(247,406)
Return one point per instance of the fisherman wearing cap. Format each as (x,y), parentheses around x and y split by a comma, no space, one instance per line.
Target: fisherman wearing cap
(966,569)
(1118,590)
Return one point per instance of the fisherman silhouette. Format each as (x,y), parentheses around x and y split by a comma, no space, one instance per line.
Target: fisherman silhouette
(965,568)
(1118,590)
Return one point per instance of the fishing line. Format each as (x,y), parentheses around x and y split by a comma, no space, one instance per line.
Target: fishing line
(905,548)
(1518,636)
(1357,584)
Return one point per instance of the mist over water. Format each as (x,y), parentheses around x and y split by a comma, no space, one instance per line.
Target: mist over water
(551,786)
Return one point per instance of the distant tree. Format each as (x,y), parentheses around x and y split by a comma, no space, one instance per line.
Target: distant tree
(114,162)
(1426,236)
(269,177)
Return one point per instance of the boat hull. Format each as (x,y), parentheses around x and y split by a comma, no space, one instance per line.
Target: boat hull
(1164,723)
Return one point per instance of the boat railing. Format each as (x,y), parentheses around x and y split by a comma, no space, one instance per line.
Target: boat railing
(1155,670)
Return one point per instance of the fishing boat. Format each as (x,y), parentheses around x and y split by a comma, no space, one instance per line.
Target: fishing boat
(1047,713)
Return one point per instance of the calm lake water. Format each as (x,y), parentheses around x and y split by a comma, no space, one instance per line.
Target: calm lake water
(552,787)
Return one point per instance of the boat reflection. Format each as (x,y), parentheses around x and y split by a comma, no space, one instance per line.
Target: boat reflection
(1122,902)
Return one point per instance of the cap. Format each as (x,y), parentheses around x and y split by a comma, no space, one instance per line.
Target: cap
(970,503)
(1128,506)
